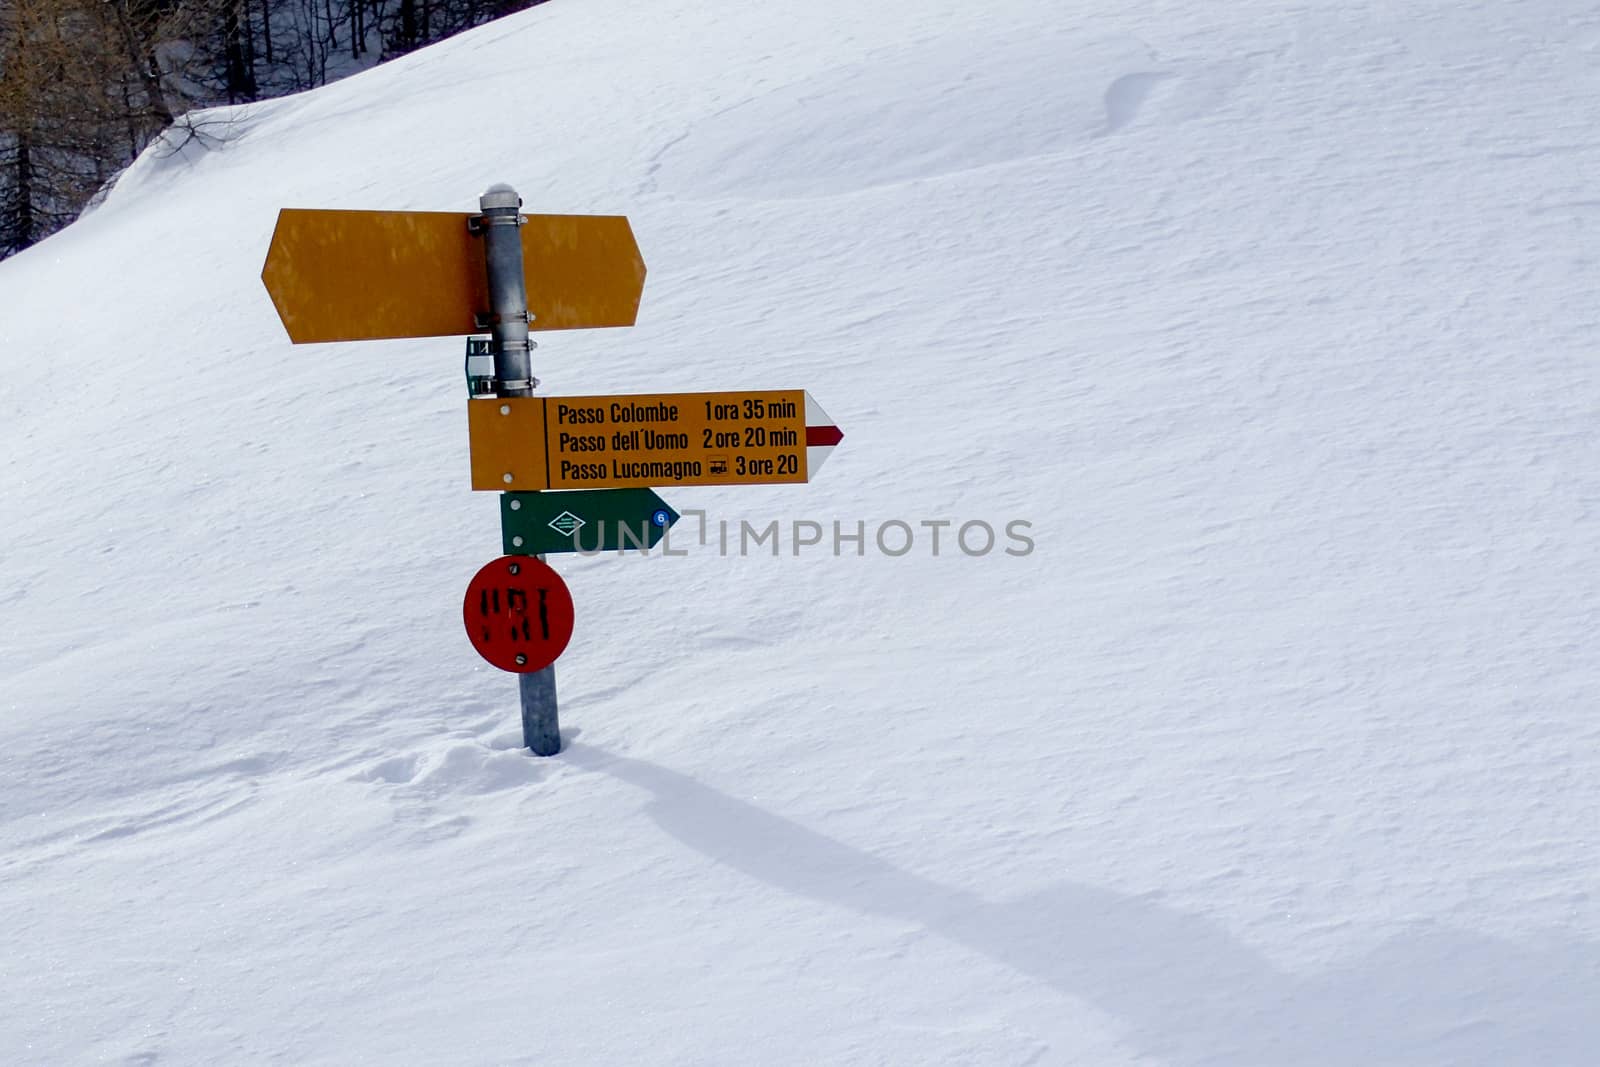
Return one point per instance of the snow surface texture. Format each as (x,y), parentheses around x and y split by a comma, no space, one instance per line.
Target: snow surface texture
(1277,321)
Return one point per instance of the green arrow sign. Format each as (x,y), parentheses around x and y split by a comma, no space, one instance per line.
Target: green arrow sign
(588,520)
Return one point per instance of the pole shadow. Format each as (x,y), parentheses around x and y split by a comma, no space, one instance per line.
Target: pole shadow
(1184,989)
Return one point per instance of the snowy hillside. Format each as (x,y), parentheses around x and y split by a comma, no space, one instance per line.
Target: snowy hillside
(1277,322)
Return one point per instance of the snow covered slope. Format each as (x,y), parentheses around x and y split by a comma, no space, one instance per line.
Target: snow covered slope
(1275,320)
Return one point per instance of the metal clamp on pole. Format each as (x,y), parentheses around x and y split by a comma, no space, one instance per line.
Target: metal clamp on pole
(513,373)
(508,295)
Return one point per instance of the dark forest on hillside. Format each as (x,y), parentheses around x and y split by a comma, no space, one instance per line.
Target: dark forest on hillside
(85,85)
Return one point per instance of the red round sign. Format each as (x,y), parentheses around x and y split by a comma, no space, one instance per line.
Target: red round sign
(518,614)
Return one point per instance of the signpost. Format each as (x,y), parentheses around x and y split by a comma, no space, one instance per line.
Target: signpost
(588,520)
(366,275)
(588,442)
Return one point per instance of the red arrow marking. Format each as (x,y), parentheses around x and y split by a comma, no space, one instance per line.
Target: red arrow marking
(817,436)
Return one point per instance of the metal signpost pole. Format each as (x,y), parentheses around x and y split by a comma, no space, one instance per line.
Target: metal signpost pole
(513,372)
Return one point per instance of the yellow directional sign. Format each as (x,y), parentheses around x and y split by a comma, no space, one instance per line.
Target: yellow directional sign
(364,275)
(598,442)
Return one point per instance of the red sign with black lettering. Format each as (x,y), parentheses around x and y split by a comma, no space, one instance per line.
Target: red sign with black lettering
(518,614)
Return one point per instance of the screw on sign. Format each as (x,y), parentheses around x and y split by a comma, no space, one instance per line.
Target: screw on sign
(518,614)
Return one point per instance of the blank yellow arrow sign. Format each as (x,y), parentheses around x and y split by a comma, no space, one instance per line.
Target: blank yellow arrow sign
(364,275)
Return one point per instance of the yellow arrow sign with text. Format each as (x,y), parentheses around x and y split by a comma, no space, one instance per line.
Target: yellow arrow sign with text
(610,442)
